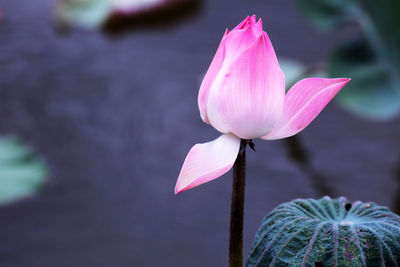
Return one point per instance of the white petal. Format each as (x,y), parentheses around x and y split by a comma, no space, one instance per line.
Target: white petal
(208,161)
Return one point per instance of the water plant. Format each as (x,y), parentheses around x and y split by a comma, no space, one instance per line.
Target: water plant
(327,232)
(243,97)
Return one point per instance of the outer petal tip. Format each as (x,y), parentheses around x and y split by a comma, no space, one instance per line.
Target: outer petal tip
(340,80)
(259,24)
(203,179)
(304,101)
(178,189)
(208,161)
(242,24)
(226,33)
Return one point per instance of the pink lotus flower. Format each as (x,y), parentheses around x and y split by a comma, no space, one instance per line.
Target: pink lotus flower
(243,97)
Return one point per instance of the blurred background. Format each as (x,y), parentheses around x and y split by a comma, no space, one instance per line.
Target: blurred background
(98,108)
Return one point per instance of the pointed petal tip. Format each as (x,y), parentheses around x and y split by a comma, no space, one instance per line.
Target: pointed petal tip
(208,161)
(342,80)
(258,26)
(203,179)
(304,101)
(178,190)
(226,33)
(337,81)
(242,24)
(346,80)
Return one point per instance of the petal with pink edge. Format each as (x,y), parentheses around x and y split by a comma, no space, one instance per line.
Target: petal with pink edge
(237,42)
(304,101)
(212,72)
(248,95)
(208,161)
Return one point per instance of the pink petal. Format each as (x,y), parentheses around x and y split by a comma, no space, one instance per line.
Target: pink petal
(238,41)
(250,23)
(270,50)
(304,101)
(208,161)
(245,23)
(209,78)
(248,95)
(232,44)
(258,25)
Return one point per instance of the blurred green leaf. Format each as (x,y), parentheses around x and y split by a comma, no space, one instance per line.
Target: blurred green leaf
(83,13)
(295,71)
(371,92)
(374,63)
(326,13)
(385,21)
(21,172)
(94,14)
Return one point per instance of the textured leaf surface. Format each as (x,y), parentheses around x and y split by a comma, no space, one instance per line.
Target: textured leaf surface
(21,173)
(327,232)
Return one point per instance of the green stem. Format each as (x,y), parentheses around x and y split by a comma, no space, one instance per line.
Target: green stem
(237,208)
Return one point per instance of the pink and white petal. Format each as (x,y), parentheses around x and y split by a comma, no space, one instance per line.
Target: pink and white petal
(253,19)
(212,72)
(258,26)
(238,41)
(208,161)
(304,101)
(231,46)
(225,34)
(248,95)
(270,49)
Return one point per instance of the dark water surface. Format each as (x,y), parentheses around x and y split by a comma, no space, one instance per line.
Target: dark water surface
(115,117)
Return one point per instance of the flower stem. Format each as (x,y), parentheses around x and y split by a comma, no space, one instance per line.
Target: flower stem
(237,207)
